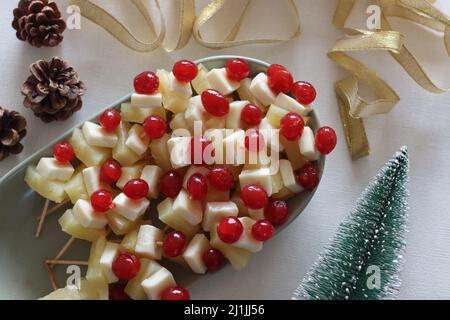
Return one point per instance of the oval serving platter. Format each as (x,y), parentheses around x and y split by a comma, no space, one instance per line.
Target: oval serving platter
(22,272)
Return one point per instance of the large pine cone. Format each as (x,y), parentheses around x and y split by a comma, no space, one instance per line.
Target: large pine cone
(54,90)
(39,22)
(12,130)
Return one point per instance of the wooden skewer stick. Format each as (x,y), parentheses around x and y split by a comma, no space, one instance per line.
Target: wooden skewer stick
(159,243)
(65,248)
(41,221)
(67,262)
(51,276)
(54,208)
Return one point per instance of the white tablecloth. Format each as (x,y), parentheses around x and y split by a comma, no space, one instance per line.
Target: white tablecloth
(421,120)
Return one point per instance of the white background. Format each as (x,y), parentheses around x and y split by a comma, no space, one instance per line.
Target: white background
(421,120)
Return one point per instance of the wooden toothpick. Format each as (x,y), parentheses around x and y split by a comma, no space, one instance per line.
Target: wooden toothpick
(64,249)
(67,262)
(51,276)
(54,209)
(41,221)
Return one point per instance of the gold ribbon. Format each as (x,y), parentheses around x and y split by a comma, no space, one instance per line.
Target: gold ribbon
(351,105)
(188,24)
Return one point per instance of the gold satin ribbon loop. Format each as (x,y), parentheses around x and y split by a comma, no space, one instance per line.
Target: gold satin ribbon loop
(213,8)
(351,105)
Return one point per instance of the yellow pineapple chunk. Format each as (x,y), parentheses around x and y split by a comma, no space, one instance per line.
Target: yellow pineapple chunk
(129,241)
(95,274)
(134,114)
(75,187)
(119,224)
(175,103)
(89,155)
(51,190)
(134,288)
(283,194)
(274,115)
(277,182)
(175,221)
(163,76)
(160,152)
(67,293)
(237,257)
(88,291)
(124,155)
(200,83)
(70,225)
(128,173)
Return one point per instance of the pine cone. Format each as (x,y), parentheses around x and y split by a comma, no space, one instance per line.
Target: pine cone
(54,90)
(39,22)
(12,130)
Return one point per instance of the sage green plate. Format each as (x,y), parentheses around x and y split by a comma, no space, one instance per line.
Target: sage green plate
(22,273)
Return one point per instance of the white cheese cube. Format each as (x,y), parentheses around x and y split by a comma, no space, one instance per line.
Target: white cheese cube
(192,170)
(183,89)
(179,150)
(130,208)
(308,145)
(216,211)
(128,173)
(234,148)
(214,122)
(107,258)
(218,80)
(288,177)
(247,241)
(234,115)
(160,152)
(151,174)
(155,285)
(178,122)
(146,100)
(194,252)
(195,112)
(257,214)
(190,210)
(87,217)
(271,135)
(134,288)
(92,182)
(137,140)
(237,257)
(261,90)
(96,136)
(51,169)
(147,242)
(290,104)
(261,176)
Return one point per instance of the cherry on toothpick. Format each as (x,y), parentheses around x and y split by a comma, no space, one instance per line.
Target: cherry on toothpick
(174,244)
(262,230)
(126,266)
(230,229)
(237,69)
(175,293)
(276,212)
(254,141)
(251,115)
(308,177)
(291,126)
(213,260)
(110,119)
(273,68)
(146,82)
(63,152)
(197,186)
(101,200)
(254,196)
(280,80)
(304,92)
(110,171)
(185,70)
(155,126)
(326,140)
(221,178)
(215,103)
(136,189)
(170,184)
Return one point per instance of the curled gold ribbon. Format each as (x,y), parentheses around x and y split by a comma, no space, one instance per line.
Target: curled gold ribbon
(188,24)
(351,105)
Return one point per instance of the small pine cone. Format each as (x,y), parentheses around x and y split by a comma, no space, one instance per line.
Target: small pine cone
(39,22)
(12,130)
(54,90)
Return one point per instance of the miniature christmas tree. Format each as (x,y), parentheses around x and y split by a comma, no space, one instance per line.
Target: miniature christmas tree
(363,260)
